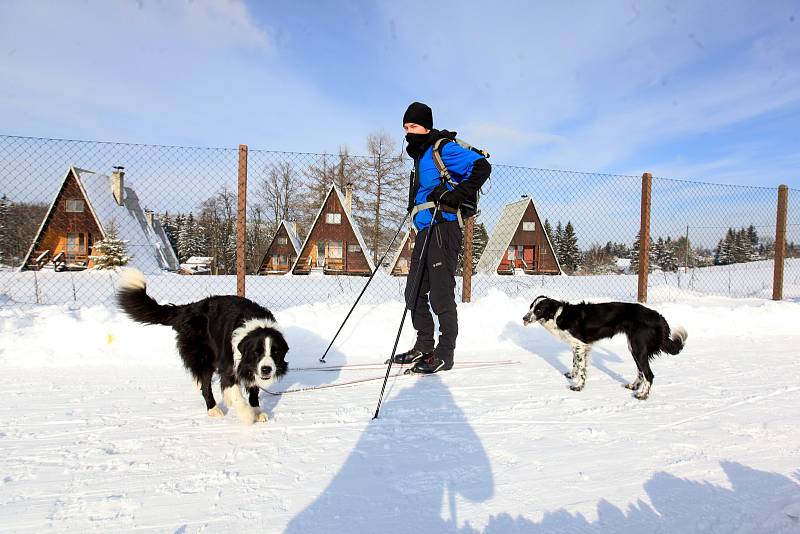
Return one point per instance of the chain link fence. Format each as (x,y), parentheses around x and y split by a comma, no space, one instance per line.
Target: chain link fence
(318,223)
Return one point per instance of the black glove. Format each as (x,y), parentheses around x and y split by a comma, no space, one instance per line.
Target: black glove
(442,195)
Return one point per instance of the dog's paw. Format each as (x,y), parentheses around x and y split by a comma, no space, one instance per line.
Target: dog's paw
(216,411)
(641,396)
(576,388)
(569,375)
(261,417)
(632,386)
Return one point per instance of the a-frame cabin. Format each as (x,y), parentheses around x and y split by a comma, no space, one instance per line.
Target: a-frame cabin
(282,251)
(334,244)
(519,243)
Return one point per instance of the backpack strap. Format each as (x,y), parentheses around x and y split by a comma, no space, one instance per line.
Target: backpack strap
(438,145)
(444,174)
(430,206)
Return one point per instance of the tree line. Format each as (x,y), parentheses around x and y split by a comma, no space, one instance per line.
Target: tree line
(285,190)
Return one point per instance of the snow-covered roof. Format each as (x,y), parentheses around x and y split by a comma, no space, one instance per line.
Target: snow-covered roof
(393,263)
(146,244)
(198,260)
(292,236)
(503,233)
(350,220)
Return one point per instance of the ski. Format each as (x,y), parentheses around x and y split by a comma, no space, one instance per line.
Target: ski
(398,374)
(372,366)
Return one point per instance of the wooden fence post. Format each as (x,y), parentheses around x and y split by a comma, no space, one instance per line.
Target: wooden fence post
(780,243)
(466,272)
(241,222)
(644,237)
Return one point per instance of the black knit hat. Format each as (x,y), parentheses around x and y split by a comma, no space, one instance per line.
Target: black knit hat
(419,113)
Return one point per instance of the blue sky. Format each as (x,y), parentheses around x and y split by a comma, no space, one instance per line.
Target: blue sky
(704,91)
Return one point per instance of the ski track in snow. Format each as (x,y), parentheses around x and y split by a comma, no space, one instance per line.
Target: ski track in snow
(109,434)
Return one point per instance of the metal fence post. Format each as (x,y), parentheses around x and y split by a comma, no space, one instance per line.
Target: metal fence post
(466,271)
(780,243)
(241,222)
(644,237)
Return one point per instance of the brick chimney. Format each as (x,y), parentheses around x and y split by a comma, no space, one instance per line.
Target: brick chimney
(118,184)
(348,197)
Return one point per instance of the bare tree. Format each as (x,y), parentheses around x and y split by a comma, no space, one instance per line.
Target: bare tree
(21,222)
(339,170)
(278,191)
(383,192)
(259,236)
(218,218)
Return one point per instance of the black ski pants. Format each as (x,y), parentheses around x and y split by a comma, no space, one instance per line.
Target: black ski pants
(437,288)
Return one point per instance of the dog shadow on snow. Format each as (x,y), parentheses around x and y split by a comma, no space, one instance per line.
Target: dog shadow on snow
(558,354)
(305,350)
(406,471)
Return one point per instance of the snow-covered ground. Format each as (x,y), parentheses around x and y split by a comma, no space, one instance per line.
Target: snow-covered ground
(88,288)
(101,429)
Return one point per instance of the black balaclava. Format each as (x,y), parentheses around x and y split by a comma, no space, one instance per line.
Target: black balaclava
(418,113)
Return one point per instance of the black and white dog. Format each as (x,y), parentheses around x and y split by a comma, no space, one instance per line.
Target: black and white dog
(583,324)
(231,335)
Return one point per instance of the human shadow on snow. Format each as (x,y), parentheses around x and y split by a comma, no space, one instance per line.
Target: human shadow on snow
(756,502)
(408,466)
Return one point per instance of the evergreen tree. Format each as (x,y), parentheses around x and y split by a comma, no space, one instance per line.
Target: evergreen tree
(752,239)
(718,252)
(479,239)
(4,208)
(658,253)
(110,253)
(669,259)
(727,252)
(635,255)
(569,253)
(187,239)
(171,231)
(199,243)
(548,230)
(557,238)
(741,250)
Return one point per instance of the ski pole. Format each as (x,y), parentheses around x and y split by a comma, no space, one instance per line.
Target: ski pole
(417,286)
(378,266)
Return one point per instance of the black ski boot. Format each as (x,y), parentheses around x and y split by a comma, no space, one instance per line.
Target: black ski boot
(411,356)
(431,364)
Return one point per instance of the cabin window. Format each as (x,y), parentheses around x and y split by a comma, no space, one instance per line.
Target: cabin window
(528,226)
(275,259)
(335,250)
(333,218)
(74,205)
(511,250)
(282,240)
(353,249)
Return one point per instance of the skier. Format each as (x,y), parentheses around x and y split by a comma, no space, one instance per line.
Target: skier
(429,192)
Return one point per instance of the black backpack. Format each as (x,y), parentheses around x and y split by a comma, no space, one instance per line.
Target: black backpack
(469,208)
